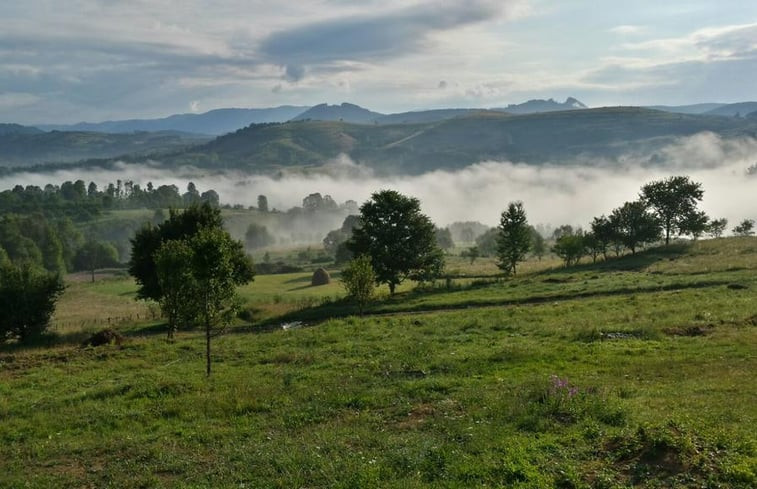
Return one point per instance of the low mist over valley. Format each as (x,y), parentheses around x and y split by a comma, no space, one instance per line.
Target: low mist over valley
(379,244)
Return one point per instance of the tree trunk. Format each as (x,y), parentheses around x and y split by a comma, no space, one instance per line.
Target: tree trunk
(207,347)
(391,288)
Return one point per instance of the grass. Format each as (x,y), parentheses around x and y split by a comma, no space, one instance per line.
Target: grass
(648,386)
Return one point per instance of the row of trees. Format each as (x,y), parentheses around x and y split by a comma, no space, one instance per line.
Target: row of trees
(82,201)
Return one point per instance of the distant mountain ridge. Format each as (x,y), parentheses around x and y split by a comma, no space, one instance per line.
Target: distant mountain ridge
(540,105)
(214,122)
(345,112)
(557,137)
(17,129)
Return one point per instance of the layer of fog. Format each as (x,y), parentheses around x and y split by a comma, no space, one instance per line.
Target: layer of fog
(553,194)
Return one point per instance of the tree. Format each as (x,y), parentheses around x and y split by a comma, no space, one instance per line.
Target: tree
(262,203)
(27,301)
(176,283)
(513,238)
(471,253)
(745,228)
(398,238)
(716,227)
(444,238)
(570,247)
(359,281)
(604,232)
(94,255)
(147,240)
(673,201)
(257,236)
(218,264)
(635,225)
(538,244)
(487,242)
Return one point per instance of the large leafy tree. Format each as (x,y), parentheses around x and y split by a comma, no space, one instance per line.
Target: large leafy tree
(635,225)
(27,300)
(513,238)
(674,201)
(398,238)
(148,240)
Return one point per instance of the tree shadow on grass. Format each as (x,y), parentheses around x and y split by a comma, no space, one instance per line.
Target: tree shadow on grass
(626,263)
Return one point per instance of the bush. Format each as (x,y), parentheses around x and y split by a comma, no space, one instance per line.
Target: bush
(27,301)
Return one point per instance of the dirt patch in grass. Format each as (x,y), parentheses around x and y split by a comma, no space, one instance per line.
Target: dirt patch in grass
(105,337)
(417,416)
(694,330)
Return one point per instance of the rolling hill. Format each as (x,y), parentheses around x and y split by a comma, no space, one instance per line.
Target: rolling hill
(214,122)
(30,146)
(455,143)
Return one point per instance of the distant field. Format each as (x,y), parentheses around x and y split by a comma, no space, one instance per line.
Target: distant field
(636,372)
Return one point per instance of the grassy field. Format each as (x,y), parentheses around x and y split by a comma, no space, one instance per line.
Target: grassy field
(635,372)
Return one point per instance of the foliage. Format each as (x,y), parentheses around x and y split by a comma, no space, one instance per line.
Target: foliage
(359,280)
(471,253)
(674,201)
(605,233)
(635,225)
(27,301)
(745,228)
(262,203)
(444,238)
(148,240)
(177,284)
(513,238)
(716,227)
(399,239)
(257,236)
(570,247)
(487,242)
(538,243)
(95,254)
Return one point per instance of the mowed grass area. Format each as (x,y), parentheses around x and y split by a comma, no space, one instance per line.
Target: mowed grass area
(636,372)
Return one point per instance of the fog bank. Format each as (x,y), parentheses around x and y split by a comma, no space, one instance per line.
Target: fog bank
(553,194)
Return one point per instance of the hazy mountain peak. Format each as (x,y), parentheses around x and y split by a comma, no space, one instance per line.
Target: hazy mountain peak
(541,105)
(345,112)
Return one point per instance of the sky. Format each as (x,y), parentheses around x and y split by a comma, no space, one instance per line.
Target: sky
(93,60)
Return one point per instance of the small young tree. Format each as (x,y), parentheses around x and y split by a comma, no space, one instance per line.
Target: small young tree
(716,227)
(359,281)
(27,301)
(745,228)
(218,264)
(514,238)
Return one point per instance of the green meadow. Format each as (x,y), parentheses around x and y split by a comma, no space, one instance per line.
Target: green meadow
(637,371)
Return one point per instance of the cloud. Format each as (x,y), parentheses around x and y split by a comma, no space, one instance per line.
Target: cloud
(627,29)
(372,37)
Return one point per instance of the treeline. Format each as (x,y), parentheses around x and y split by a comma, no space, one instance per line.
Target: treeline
(81,201)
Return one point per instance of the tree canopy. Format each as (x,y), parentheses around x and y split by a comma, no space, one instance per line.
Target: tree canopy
(674,201)
(398,238)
